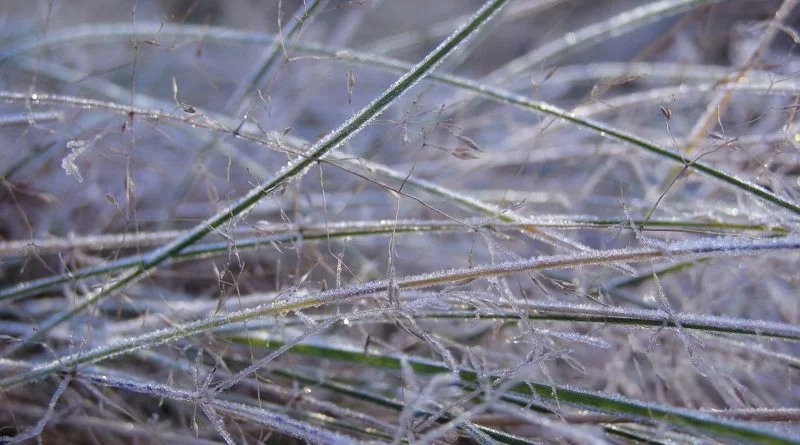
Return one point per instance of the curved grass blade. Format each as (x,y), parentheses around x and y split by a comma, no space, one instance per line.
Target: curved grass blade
(591,400)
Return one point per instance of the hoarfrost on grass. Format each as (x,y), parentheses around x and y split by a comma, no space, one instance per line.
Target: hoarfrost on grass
(76,147)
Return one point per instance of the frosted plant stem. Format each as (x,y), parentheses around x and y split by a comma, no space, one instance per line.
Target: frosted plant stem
(292,170)
(633,317)
(556,312)
(273,420)
(678,250)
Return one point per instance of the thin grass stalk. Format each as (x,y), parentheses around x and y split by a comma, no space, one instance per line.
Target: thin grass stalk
(553,312)
(590,73)
(586,313)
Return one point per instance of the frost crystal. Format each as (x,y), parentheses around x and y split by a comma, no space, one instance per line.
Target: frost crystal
(68,163)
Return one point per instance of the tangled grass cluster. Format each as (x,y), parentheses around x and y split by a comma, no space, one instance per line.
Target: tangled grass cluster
(319,221)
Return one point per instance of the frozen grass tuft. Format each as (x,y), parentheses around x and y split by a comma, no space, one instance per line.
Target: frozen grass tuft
(560,222)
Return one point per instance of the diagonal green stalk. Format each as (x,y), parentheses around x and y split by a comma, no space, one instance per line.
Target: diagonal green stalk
(292,170)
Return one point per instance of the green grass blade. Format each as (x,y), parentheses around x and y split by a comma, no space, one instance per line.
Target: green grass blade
(595,401)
